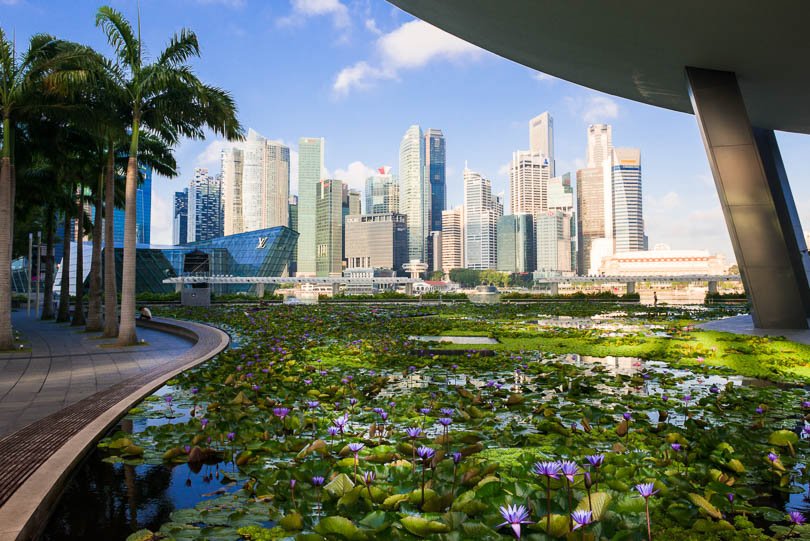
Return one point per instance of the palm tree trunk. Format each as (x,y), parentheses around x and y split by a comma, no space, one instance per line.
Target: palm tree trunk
(78,310)
(63,314)
(47,306)
(126,328)
(6,334)
(110,286)
(94,305)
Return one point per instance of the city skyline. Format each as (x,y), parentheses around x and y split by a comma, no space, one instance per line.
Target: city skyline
(377,74)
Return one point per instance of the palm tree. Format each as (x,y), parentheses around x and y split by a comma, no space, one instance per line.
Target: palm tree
(22,79)
(167,99)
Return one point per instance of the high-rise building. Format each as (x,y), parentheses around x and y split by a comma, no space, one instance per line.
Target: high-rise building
(553,234)
(415,192)
(600,144)
(517,251)
(628,220)
(256,178)
(382,192)
(328,228)
(541,138)
(435,251)
(453,239)
(232,167)
(591,220)
(435,159)
(350,206)
(310,168)
(293,224)
(561,198)
(205,213)
(528,182)
(376,241)
(180,223)
(481,212)
(143,205)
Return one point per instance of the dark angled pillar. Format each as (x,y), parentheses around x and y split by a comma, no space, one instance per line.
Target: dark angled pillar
(756,200)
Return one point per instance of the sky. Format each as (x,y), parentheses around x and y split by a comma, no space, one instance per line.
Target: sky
(360,72)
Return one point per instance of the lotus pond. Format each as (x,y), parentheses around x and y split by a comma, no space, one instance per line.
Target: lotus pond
(336,422)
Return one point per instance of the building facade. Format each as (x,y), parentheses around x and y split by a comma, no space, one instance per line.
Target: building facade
(415,192)
(662,261)
(452,239)
(382,192)
(517,249)
(205,212)
(180,223)
(481,212)
(541,138)
(553,234)
(310,168)
(376,241)
(591,203)
(143,204)
(529,174)
(628,218)
(232,160)
(435,160)
(600,144)
(328,228)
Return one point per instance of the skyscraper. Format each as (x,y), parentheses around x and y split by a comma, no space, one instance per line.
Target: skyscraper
(600,144)
(435,167)
(180,223)
(382,192)
(293,224)
(591,206)
(528,182)
(350,206)
(517,251)
(205,213)
(310,168)
(328,228)
(376,241)
(415,192)
(232,168)
(256,176)
(553,233)
(453,239)
(541,138)
(481,213)
(628,220)
(561,198)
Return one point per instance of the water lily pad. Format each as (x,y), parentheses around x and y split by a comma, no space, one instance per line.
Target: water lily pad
(422,527)
(340,526)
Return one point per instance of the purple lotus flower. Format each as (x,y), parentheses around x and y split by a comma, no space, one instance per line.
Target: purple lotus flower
(292,483)
(384,416)
(340,423)
(687,398)
(312,404)
(204,422)
(317,481)
(514,516)
(445,421)
(231,436)
(333,431)
(664,397)
(773,457)
(676,447)
(355,447)
(378,410)
(581,518)
(281,413)
(759,410)
(352,401)
(369,477)
(424,411)
(413,432)
(569,469)
(457,457)
(168,398)
(730,497)
(646,490)
(714,389)
(307,381)
(595,460)
(448,412)
(547,469)
(425,453)
(797,518)
(194,390)
(627,415)
(255,387)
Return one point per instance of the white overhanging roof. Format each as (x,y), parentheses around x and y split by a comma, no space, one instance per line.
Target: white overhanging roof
(637,49)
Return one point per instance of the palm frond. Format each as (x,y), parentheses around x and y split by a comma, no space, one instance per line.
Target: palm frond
(181,47)
(120,35)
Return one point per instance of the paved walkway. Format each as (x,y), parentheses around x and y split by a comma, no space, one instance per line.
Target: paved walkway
(745,325)
(61,365)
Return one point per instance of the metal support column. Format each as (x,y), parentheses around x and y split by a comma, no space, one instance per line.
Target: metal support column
(756,200)
(712,287)
(260,290)
(631,288)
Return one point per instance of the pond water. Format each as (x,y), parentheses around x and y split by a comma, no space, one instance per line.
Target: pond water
(472,340)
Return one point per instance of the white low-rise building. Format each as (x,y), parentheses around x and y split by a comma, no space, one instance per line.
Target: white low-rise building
(662,261)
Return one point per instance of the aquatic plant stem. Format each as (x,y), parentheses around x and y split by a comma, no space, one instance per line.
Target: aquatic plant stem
(570,504)
(647,510)
(424,466)
(548,505)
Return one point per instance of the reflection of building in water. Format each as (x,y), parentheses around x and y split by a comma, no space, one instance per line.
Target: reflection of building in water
(626,366)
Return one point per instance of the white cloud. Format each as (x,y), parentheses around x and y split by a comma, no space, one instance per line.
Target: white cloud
(503,170)
(355,175)
(668,201)
(371,26)
(543,77)
(304,9)
(600,108)
(210,157)
(411,46)
(162,219)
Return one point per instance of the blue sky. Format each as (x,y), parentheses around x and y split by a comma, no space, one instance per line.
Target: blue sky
(359,72)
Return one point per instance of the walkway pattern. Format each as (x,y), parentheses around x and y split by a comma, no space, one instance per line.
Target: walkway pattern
(63,365)
(55,443)
(744,324)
